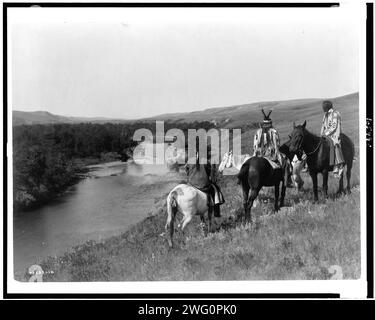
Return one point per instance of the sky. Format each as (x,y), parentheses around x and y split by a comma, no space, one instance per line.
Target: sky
(134,63)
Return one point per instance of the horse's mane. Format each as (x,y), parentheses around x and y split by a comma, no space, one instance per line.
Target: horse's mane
(310,133)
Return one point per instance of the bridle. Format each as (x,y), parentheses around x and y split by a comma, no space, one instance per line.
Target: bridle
(315,150)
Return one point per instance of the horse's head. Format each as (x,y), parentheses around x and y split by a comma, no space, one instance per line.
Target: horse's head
(296,139)
(225,162)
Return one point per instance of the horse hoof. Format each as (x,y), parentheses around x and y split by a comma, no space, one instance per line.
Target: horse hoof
(170,244)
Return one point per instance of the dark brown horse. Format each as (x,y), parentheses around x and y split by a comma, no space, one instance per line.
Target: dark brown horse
(317,151)
(256,173)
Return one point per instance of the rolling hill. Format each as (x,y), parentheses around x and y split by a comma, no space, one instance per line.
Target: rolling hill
(240,116)
(245,117)
(45,117)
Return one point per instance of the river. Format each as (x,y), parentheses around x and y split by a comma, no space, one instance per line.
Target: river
(114,197)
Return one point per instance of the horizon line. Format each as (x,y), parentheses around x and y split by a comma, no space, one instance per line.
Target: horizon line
(182,112)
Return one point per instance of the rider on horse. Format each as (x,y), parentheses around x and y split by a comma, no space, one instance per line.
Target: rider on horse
(203,177)
(267,144)
(331,129)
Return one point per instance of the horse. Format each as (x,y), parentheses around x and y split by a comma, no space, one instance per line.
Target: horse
(256,172)
(189,201)
(317,152)
(297,164)
(236,161)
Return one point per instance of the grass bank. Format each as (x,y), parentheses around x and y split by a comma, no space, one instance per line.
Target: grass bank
(300,242)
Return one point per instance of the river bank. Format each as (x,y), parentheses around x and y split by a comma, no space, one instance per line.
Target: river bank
(113,197)
(77,169)
(302,241)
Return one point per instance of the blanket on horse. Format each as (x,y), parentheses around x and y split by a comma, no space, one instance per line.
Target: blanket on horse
(215,196)
(335,153)
(274,164)
(199,177)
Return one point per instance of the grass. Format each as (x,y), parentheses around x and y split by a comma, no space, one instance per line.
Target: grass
(299,242)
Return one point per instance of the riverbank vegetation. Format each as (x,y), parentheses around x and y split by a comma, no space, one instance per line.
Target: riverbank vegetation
(49,158)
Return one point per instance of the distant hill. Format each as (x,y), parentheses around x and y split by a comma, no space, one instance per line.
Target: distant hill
(44,117)
(246,116)
(289,110)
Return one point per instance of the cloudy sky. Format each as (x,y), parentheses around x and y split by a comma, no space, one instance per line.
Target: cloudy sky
(132,63)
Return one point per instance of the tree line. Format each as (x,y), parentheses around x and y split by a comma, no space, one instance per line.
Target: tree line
(47,158)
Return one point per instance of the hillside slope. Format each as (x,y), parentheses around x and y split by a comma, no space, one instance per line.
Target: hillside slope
(283,111)
(301,242)
(241,116)
(44,117)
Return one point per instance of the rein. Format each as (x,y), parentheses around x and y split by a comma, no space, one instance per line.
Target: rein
(316,149)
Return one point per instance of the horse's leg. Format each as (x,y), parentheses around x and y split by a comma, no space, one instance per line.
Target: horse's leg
(185,221)
(348,175)
(341,185)
(210,209)
(277,191)
(245,194)
(252,196)
(179,226)
(203,224)
(325,182)
(314,177)
(171,210)
(283,189)
(170,225)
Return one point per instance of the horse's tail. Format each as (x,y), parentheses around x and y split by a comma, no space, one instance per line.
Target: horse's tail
(243,174)
(171,211)
(348,149)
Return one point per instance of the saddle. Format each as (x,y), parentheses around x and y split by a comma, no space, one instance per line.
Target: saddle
(274,164)
(215,196)
(335,153)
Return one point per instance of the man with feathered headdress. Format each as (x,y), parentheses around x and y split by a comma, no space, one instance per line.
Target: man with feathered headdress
(267,144)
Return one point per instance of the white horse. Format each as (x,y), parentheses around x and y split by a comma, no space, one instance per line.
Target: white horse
(232,160)
(189,201)
(297,166)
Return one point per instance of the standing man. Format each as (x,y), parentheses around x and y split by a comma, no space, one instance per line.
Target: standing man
(331,129)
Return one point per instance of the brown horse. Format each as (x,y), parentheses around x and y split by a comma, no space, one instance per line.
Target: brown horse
(317,151)
(256,173)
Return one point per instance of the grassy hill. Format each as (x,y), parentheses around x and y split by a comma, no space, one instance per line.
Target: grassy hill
(44,117)
(284,111)
(246,115)
(302,241)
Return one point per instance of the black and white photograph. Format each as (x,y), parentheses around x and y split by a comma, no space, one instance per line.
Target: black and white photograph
(187,149)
